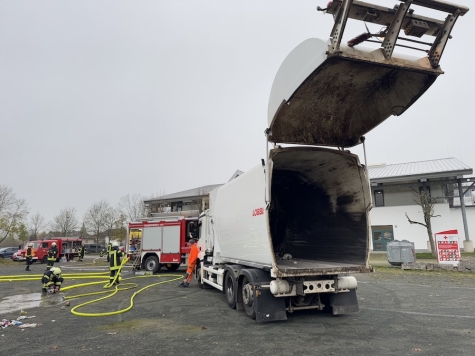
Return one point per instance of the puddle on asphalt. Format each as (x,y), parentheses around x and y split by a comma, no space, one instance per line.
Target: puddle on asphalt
(26,301)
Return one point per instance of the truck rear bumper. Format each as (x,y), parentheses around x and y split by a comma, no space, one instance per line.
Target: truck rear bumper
(301,268)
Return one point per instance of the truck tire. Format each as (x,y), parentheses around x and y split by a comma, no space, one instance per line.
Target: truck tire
(229,290)
(247,291)
(172,266)
(44,259)
(151,264)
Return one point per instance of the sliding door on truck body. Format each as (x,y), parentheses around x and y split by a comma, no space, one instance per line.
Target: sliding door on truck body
(171,238)
(152,238)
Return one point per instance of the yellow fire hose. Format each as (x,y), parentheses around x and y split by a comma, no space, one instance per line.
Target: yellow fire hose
(98,275)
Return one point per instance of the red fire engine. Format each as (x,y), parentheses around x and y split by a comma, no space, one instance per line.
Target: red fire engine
(161,240)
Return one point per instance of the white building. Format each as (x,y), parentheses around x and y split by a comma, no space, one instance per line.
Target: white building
(395,189)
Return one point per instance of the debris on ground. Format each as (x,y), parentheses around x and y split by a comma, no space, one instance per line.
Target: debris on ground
(25,317)
(31,325)
(12,322)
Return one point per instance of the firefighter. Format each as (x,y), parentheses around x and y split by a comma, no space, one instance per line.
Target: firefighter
(52,280)
(192,260)
(82,250)
(30,252)
(52,255)
(115,258)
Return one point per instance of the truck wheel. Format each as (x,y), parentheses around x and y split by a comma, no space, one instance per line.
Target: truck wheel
(172,266)
(151,264)
(44,259)
(229,290)
(248,298)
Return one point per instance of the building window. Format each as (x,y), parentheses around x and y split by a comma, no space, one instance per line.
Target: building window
(427,189)
(379,198)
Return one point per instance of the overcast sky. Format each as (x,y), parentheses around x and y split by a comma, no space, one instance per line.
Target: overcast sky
(100,99)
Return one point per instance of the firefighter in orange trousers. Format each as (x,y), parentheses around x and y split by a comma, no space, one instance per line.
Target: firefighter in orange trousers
(192,260)
(30,252)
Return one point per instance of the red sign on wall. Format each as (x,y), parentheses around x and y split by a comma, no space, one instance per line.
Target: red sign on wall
(448,248)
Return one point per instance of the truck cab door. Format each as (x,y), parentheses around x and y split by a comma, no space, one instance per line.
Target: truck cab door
(43,250)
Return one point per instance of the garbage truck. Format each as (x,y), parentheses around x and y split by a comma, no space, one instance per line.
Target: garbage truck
(290,233)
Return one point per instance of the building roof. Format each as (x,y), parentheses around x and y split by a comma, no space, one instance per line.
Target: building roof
(187,194)
(437,168)
(193,193)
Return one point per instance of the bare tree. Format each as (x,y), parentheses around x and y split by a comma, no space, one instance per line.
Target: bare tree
(7,197)
(13,212)
(427,203)
(65,221)
(116,225)
(37,223)
(132,206)
(83,231)
(95,219)
(112,218)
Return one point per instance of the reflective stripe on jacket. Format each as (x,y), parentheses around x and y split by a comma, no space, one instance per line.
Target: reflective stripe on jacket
(115,258)
(52,253)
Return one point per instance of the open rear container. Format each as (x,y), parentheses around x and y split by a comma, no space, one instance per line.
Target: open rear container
(327,94)
(318,214)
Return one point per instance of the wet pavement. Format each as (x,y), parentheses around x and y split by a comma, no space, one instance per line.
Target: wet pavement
(400,314)
(13,303)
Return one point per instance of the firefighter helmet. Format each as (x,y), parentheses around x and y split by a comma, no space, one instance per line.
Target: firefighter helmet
(30,244)
(56,271)
(115,244)
(53,244)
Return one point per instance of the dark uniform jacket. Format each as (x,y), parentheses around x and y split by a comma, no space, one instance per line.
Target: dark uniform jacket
(50,278)
(115,258)
(52,253)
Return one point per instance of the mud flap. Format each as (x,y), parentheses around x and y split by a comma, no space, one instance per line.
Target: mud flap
(343,303)
(266,305)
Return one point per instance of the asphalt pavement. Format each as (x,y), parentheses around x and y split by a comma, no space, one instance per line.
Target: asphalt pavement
(401,313)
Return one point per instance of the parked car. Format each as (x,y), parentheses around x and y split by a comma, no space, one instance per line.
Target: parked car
(8,252)
(17,256)
(91,248)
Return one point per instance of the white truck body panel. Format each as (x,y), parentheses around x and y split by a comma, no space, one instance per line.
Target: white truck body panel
(240,219)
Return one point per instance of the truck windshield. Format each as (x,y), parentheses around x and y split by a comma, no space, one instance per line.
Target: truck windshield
(35,245)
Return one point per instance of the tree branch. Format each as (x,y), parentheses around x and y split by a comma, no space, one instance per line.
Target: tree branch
(414,222)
